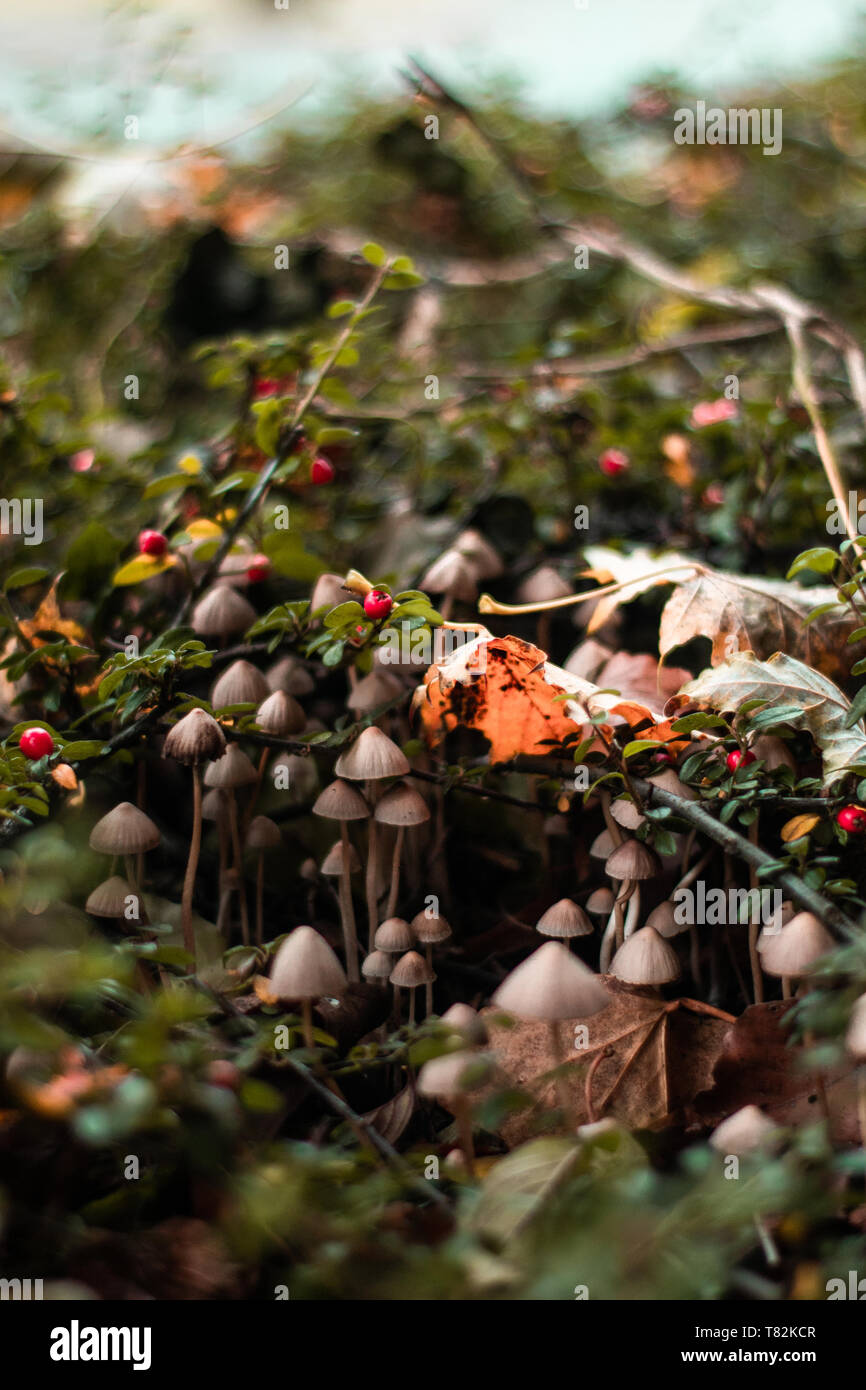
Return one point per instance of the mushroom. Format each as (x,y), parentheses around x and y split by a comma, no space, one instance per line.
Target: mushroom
(411,971)
(305,968)
(550,985)
(394,937)
(400,806)
(377,966)
(453,576)
(374,690)
(541,586)
(280,715)
(372,758)
(486,561)
(240,684)
(222,612)
(745,1134)
(630,863)
(125,831)
(646,959)
(263,834)
(234,770)
(214,807)
(290,675)
(109,898)
(793,951)
(430,931)
(343,802)
(302,776)
(444,1079)
(626,813)
(327,592)
(467,1022)
(194,739)
(600,902)
(564,920)
(663,920)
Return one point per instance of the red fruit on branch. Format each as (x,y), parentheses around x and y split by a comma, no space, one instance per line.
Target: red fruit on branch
(152,543)
(36,743)
(258,569)
(322,471)
(739,758)
(852,819)
(613,462)
(377,604)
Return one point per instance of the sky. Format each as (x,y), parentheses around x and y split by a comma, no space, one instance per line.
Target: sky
(65,64)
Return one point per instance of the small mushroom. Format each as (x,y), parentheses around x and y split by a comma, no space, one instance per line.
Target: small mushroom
(289,674)
(109,899)
(793,951)
(411,971)
(125,831)
(600,902)
(646,959)
(467,1022)
(222,612)
(240,684)
(454,577)
(630,863)
(401,806)
(327,592)
(193,740)
(377,966)
(541,586)
(564,920)
(626,813)
(305,968)
(430,931)
(342,802)
(372,758)
(445,1079)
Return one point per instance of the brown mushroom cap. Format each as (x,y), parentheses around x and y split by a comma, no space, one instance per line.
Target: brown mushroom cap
(394,936)
(430,931)
(108,899)
(332,864)
(214,806)
(290,675)
(744,1132)
(484,559)
(263,833)
(195,738)
(626,813)
(793,951)
(444,1078)
(341,801)
(603,845)
(402,805)
(280,715)
(542,585)
(222,612)
(453,574)
(327,592)
(373,755)
(551,984)
(855,1037)
(305,967)
(377,966)
(632,860)
(125,830)
(242,683)
(646,959)
(600,902)
(663,920)
(466,1021)
(564,919)
(410,971)
(374,690)
(232,770)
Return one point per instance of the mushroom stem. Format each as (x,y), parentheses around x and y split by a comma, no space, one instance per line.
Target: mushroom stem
(192,866)
(395,872)
(412,1006)
(428,988)
(446,607)
(786,987)
(260,898)
(372,870)
(632,917)
(257,786)
(131,873)
(307,1022)
(347,910)
(463,1116)
(238,865)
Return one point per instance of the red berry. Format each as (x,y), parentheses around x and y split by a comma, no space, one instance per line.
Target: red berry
(852,819)
(152,543)
(322,471)
(258,569)
(613,462)
(662,756)
(224,1073)
(739,758)
(378,604)
(36,743)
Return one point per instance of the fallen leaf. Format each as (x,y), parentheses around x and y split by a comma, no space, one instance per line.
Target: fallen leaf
(64,776)
(391,1119)
(637,570)
(797,827)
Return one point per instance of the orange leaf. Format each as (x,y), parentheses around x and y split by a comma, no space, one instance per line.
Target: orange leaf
(64,776)
(797,827)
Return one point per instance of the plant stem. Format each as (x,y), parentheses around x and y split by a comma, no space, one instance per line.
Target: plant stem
(395,872)
(192,866)
(347,910)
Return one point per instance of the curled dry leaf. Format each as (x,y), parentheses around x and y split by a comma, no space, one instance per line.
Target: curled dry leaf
(391,1119)
(822,709)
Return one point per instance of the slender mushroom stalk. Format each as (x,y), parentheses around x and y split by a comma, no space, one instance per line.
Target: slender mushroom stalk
(372,758)
(629,863)
(430,931)
(749,1133)
(262,835)
(230,772)
(280,716)
(342,802)
(193,740)
(400,806)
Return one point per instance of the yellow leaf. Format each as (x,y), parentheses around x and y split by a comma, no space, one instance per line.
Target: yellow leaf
(797,827)
(190,464)
(143,567)
(202,528)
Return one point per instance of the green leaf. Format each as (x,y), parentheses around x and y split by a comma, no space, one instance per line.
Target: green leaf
(820,559)
(344,613)
(160,486)
(373,253)
(340,309)
(639,745)
(31,575)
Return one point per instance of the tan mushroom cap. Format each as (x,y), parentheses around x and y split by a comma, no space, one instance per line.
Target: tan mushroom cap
(374,690)
(632,860)
(551,984)
(327,592)
(234,769)
(646,959)
(452,574)
(564,920)
(603,845)
(280,715)
(305,967)
(341,801)
(410,971)
(485,560)
(670,782)
(663,920)
(195,738)
(371,756)
(430,931)
(855,1036)
(108,898)
(793,951)
(394,936)
(290,675)
(377,966)
(466,1021)
(626,813)
(222,612)
(242,683)
(332,864)
(600,902)
(214,806)
(402,805)
(125,830)
(541,585)
(444,1078)
(263,833)
(744,1132)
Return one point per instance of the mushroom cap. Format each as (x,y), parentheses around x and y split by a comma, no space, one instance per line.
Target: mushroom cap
(263,834)
(402,805)
(564,919)
(626,813)
(108,898)
(452,573)
(603,845)
(746,1131)
(794,950)
(646,959)
(221,612)
(467,1021)
(290,675)
(600,902)
(332,864)
(394,936)
(327,592)
(485,560)
(374,690)
(214,806)
(195,738)
(242,683)
(377,966)
(303,775)
(855,1037)
(663,920)
(430,930)
(670,782)
(234,769)
(341,801)
(125,830)
(551,984)
(305,967)
(542,584)
(280,715)
(632,860)
(443,1077)
(410,971)
(371,756)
